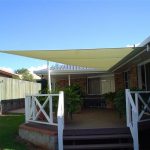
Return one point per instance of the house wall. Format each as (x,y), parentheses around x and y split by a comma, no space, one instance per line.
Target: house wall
(62,83)
(107,84)
(82,82)
(119,81)
(133,77)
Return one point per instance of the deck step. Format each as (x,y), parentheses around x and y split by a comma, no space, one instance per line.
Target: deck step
(101,131)
(99,146)
(92,139)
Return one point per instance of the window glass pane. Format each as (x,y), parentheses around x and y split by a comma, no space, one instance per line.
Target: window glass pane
(93,86)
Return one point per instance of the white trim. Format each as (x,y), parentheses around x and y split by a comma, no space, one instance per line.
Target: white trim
(139,73)
(49,77)
(144,62)
(148,47)
(64,72)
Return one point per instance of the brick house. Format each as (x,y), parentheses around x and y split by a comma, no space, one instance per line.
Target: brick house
(93,83)
(90,80)
(128,68)
(133,71)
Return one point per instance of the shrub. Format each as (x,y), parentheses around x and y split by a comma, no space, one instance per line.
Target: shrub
(72,100)
(120,102)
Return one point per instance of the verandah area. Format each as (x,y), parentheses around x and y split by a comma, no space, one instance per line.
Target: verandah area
(95,118)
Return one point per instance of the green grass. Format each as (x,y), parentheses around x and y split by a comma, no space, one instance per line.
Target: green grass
(9,126)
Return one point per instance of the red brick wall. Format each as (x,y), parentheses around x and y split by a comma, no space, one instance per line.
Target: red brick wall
(133,77)
(82,82)
(133,80)
(119,81)
(62,83)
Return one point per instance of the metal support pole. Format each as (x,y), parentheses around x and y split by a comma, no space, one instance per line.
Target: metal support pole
(69,80)
(49,77)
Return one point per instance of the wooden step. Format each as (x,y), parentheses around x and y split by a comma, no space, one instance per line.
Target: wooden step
(91,137)
(99,146)
(144,125)
(101,131)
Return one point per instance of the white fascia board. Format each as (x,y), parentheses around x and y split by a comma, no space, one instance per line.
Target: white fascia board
(64,72)
(146,41)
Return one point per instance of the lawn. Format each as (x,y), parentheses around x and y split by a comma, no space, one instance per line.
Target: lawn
(9,126)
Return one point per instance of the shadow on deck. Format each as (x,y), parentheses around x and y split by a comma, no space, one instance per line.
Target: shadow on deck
(95,118)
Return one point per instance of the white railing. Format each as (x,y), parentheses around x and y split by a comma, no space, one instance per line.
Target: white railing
(60,118)
(137,106)
(38,112)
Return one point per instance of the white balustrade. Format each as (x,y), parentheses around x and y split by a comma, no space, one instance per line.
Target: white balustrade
(135,113)
(60,117)
(33,110)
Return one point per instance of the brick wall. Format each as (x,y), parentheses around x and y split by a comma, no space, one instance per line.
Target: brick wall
(133,80)
(62,84)
(133,77)
(119,81)
(82,82)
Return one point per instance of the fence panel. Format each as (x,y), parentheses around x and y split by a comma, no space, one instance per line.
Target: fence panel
(15,89)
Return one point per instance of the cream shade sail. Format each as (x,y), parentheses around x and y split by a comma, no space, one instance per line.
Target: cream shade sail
(102,59)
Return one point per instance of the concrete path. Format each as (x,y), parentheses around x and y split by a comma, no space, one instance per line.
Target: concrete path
(18,111)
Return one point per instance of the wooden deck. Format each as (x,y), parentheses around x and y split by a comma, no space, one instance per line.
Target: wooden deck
(95,118)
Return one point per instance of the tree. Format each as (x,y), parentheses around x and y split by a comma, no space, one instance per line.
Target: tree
(26,75)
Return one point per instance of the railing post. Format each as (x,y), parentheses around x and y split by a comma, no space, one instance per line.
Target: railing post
(128,108)
(136,102)
(51,108)
(60,134)
(27,109)
(33,106)
(135,131)
(60,117)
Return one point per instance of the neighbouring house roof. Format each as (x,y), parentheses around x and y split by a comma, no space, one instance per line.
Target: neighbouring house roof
(7,74)
(67,69)
(102,58)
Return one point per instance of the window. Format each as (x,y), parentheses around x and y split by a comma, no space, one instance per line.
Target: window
(94,86)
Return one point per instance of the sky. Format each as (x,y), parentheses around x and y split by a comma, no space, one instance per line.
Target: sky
(69,24)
